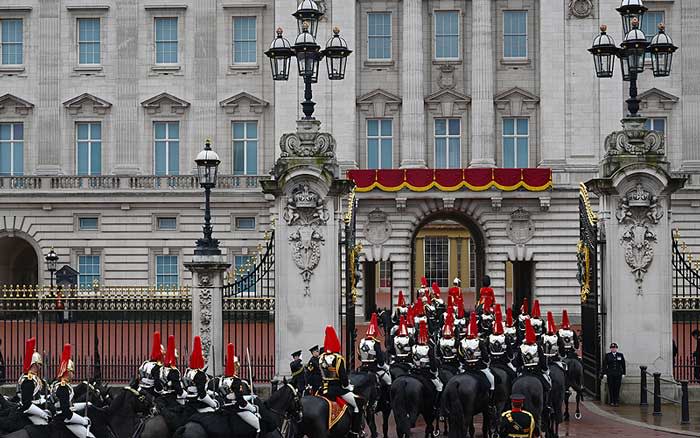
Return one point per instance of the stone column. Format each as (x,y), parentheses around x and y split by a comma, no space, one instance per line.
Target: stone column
(207,307)
(482,129)
(308,199)
(412,107)
(635,191)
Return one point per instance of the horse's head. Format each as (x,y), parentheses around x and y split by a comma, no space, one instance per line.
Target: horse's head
(285,402)
(88,391)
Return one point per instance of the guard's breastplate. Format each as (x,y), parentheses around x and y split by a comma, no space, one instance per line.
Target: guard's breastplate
(529,355)
(550,345)
(567,338)
(227,388)
(497,345)
(37,394)
(168,385)
(146,373)
(54,396)
(329,366)
(189,382)
(537,325)
(402,345)
(448,348)
(521,321)
(471,350)
(421,356)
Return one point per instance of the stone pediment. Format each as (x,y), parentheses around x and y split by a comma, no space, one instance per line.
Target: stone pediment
(86,103)
(157,104)
(447,103)
(236,103)
(515,102)
(657,99)
(10,102)
(379,103)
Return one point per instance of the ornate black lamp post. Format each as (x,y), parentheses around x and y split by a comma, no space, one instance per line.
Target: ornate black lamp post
(207,168)
(632,51)
(51,262)
(308,53)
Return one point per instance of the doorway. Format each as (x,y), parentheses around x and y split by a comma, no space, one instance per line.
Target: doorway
(523,272)
(19,264)
(370,282)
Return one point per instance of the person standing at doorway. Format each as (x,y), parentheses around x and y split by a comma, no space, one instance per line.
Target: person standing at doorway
(614,369)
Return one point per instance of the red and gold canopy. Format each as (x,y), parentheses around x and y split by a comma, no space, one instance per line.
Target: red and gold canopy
(450,180)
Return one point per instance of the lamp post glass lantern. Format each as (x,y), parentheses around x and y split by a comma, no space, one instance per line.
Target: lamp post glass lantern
(51,263)
(207,169)
(308,53)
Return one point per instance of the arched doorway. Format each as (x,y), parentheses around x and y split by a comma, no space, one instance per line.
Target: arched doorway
(19,264)
(445,245)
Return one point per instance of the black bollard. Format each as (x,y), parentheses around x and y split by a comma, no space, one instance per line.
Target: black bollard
(657,394)
(685,409)
(643,386)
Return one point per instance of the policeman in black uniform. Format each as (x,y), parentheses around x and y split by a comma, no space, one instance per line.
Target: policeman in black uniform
(296,366)
(614,368)
(314,380)
(516,423)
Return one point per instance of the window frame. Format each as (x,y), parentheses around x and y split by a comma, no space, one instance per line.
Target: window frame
(12,141)
(99,269)
(447,137)
(233,41)
(245,141)
(435,14)
(237,227)
(390,36)
(176,274)
(652,121)
(167,140)
(78,42)
(160,217)
(447,262)
(155,41)
(22,43)
(647,55)
(95,217)
(515,136)
(89,141)
(527,36)
(251,290)
(379,137)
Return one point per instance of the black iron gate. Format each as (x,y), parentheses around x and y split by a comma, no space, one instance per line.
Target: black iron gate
(686,312)
(351,256)
(587,252)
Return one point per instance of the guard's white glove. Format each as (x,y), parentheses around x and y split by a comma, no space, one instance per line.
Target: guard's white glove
(37,412)
(250,407)
(78,419)
(350,387)
(210,402)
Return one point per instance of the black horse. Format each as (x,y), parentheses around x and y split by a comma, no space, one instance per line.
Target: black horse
(410,397)
(282,407)
(375,398)
(574,380)
(129,412)
(531,388)
(556,398)
(504,382)
(463,398)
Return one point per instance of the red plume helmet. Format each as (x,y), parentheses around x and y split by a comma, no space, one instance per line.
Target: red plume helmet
(170,359)
(525,308)
(29,346)
(373,328)
(436,291)
(402,300)
(418,308)
(473,331)
(448,331)
(403,330)
(509,317)
(423,282)
(156,353)
(230,361)
(410,315)
(551,326)
(63,367)
(498,323)
(422,334)
(197,357)
(565,320)
(331,344)
(530,338)
(536,310)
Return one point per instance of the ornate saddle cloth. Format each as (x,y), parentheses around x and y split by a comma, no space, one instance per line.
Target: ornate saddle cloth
(336,410)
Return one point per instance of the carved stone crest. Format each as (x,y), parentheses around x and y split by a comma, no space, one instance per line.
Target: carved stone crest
(635,139)
(520,227)
(307,211)
(580,8)
(308,142)
(378,228)
(446,79)
(205,318)
(640,211)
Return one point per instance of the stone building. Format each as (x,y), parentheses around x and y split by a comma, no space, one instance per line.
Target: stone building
(104,105)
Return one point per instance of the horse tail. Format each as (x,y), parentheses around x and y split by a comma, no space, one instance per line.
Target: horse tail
(456,413)
(399,404)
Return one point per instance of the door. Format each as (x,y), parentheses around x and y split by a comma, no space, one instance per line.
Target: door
(522,282)
(370,282)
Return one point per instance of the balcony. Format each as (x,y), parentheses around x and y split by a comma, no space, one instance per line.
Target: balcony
(137,182)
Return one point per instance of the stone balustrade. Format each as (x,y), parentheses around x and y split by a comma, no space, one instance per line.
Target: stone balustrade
(136,182)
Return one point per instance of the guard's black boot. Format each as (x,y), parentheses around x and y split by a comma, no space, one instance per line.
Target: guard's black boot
(356,427)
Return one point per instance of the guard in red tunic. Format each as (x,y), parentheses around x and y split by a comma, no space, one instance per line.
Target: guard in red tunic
(485,292)
(456,290)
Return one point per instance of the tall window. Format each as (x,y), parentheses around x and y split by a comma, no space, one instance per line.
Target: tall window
(245,148)
(472,263)
(649,25)
(437,260)
(242,264)
(379,36)
(167,148)
(379,143)
(244,40)
(515,142)
(447,143)
(89,148)
(515,34)
(385,274)
(89,269)
(11,149)
(446,35)
(166,270)
(166,40)
(88,41)
(11,42)
(656,124)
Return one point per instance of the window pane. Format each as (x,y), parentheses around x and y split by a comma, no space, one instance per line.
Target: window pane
(87,223)
(12,41)
(514,34)
(522,127)
(95,158)
(83,158)
(89,268)
(386,153)
(160,158)
(650,22)
(18,158)
(379,35)
(83,131)
(238,158)
(18,131)
(440,126)
(167,223)
(372,153)
(5,159)
(244,40)
(454,151)
(159,129)
(96,131)
(508,152)
(251,157)
(522,152)
(386,127)
(252,129)
(454,126)
(659,125)
(174,130)
(245,223)
(446,34)
(508,126)
(440,153)
(239,130)
(436,257)
(174,158)
(166,271)
(372,128)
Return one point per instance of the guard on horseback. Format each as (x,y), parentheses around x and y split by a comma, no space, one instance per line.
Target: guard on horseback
(460,324)
(62,396)
(437,306)
(314,380)
(170,375)
(401,308)
(536,320)
(335,377)
(402,344)
(568,339)
(550,343)
(31,388)
(196,381)
(474,355)
(231,390)
(448,344)
(419,313)
(371,354)
(426,364)
(150,370)
(499,349)
(510,333)
(423,290)
(296,366)
(486,318)
(523,315)
(531,358)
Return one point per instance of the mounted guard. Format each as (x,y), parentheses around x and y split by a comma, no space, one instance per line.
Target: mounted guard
(371,354)
(31,388)
(402,346)
(568,339)
(448,344)
(437,306)
(531,358)
(523,316)
(460,324)
(550,342)
(510,332)
(231,390)
(62,396)
(150,382)
(196,381)
(401,308)
(536,320)
(426,364)
(474,355)
(486,318)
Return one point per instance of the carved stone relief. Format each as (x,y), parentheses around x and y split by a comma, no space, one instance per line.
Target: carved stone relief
(635,139)
(520,227)
(306,211)
(580,8)
(205,317)
(640,211)
(307,144)
(378,228)
(446,79)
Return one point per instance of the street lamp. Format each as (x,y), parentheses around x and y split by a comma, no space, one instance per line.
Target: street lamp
(51,262)
(308,53)
(207,168)
(632,51)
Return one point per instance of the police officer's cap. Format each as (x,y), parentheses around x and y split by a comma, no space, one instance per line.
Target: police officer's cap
(517,398)
(296,353)
(613,345)
(314,348)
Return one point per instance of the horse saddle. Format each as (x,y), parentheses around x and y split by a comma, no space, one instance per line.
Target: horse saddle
(336,409)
